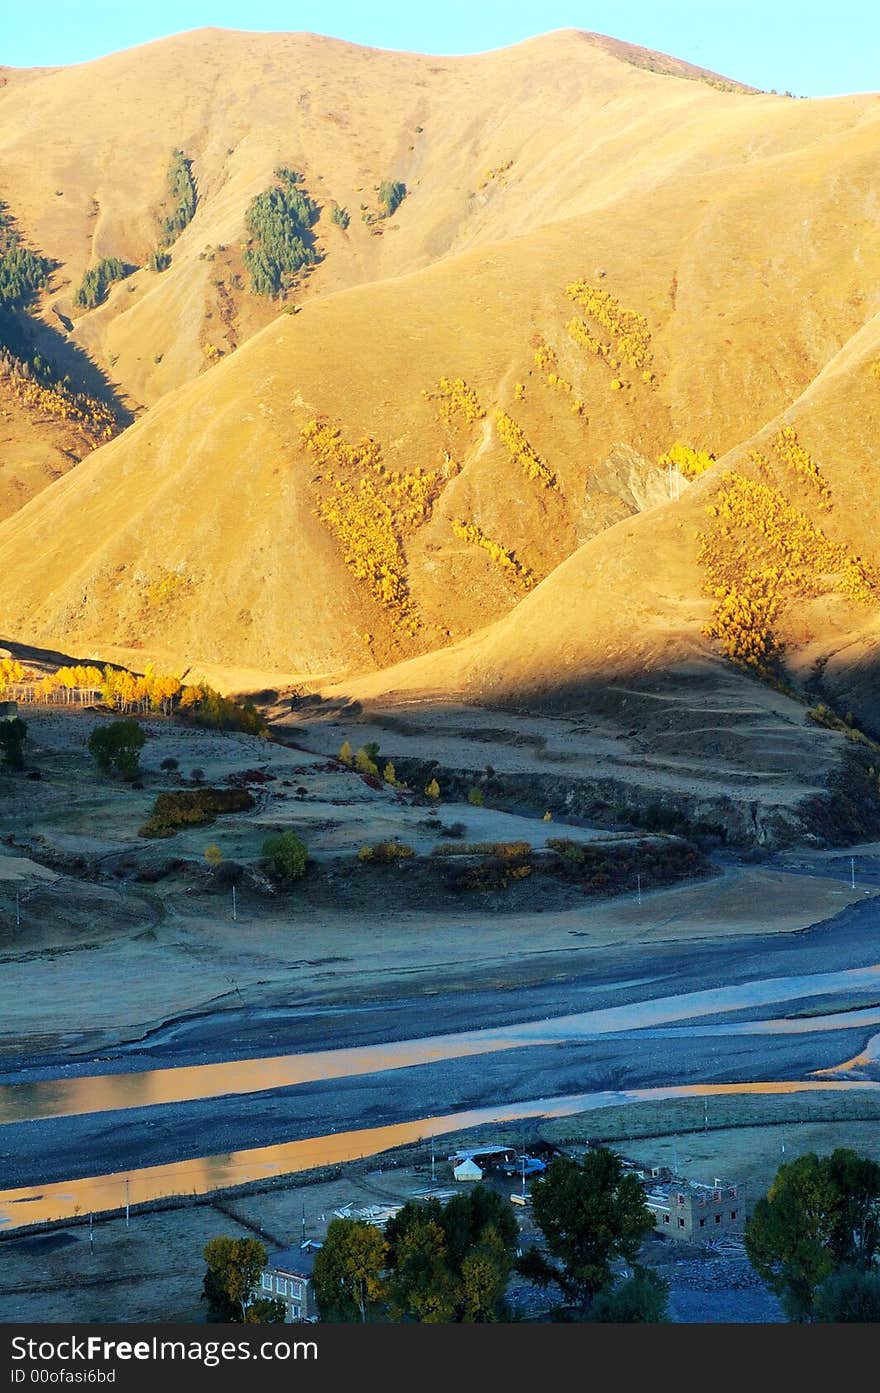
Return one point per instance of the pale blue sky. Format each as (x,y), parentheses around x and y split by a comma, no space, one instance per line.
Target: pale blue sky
(810,47)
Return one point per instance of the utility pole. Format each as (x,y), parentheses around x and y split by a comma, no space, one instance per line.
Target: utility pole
(852,870)
(639,886)
(432,1158)
(126,1202)
(18,909)
(91,1235)
(523,1177)
(234,914)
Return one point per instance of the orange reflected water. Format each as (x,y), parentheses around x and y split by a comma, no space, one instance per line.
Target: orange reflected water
(96,1194)
(107,1092)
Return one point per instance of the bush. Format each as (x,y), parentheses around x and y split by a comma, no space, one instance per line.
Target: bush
(392,192)
(12,734)
(286,856)
(193,808)
(449,829)
(340,216)
(160,261)
(505,851)
(386,852)
(364,764)
(118,747)
(475,797)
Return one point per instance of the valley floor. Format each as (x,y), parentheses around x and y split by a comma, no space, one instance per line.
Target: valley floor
(127,980)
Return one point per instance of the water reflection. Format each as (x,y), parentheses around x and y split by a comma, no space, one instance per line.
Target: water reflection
(107,1092)
(96,1194)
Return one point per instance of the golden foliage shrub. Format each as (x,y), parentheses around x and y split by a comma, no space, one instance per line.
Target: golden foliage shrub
(791,452)
(469,532)
(759,551)
(689,462)
(93,417)
(455,399)
(522,452)
(626,327)
(370,510)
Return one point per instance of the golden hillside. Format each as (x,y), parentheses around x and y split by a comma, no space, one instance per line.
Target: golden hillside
(459,438)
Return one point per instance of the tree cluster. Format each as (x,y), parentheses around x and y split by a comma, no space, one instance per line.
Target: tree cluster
(279,221)
(434,1265)
(98,279)
(182,188)
(814,1238)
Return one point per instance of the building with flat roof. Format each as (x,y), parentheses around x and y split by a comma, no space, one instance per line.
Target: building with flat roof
(694,1212)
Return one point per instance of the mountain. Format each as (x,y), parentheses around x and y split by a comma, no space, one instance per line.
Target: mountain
(600,376)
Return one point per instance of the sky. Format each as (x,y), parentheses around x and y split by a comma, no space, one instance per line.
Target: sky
(808,47)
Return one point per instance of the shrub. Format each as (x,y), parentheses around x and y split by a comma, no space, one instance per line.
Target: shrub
(286,856)
(452,829)
(689,462)
(392,192)
(432,789)
(160,261)
(456,399)
(364,764)
(522,452)
(340,216)
(193,808)
(345,754)
(475,797)
(118,747)
(469,532)
(12,735)
(169,764)
(504,851)
(628,328)
(385,852)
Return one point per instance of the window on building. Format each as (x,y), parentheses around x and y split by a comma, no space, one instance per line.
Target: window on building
(281,1286)
(266,1282)
(295,1288)
(295,1312)
(666,1218)
(681,1223)
(702,1223)
(718,1218)
(733,1213)
(680,1199)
